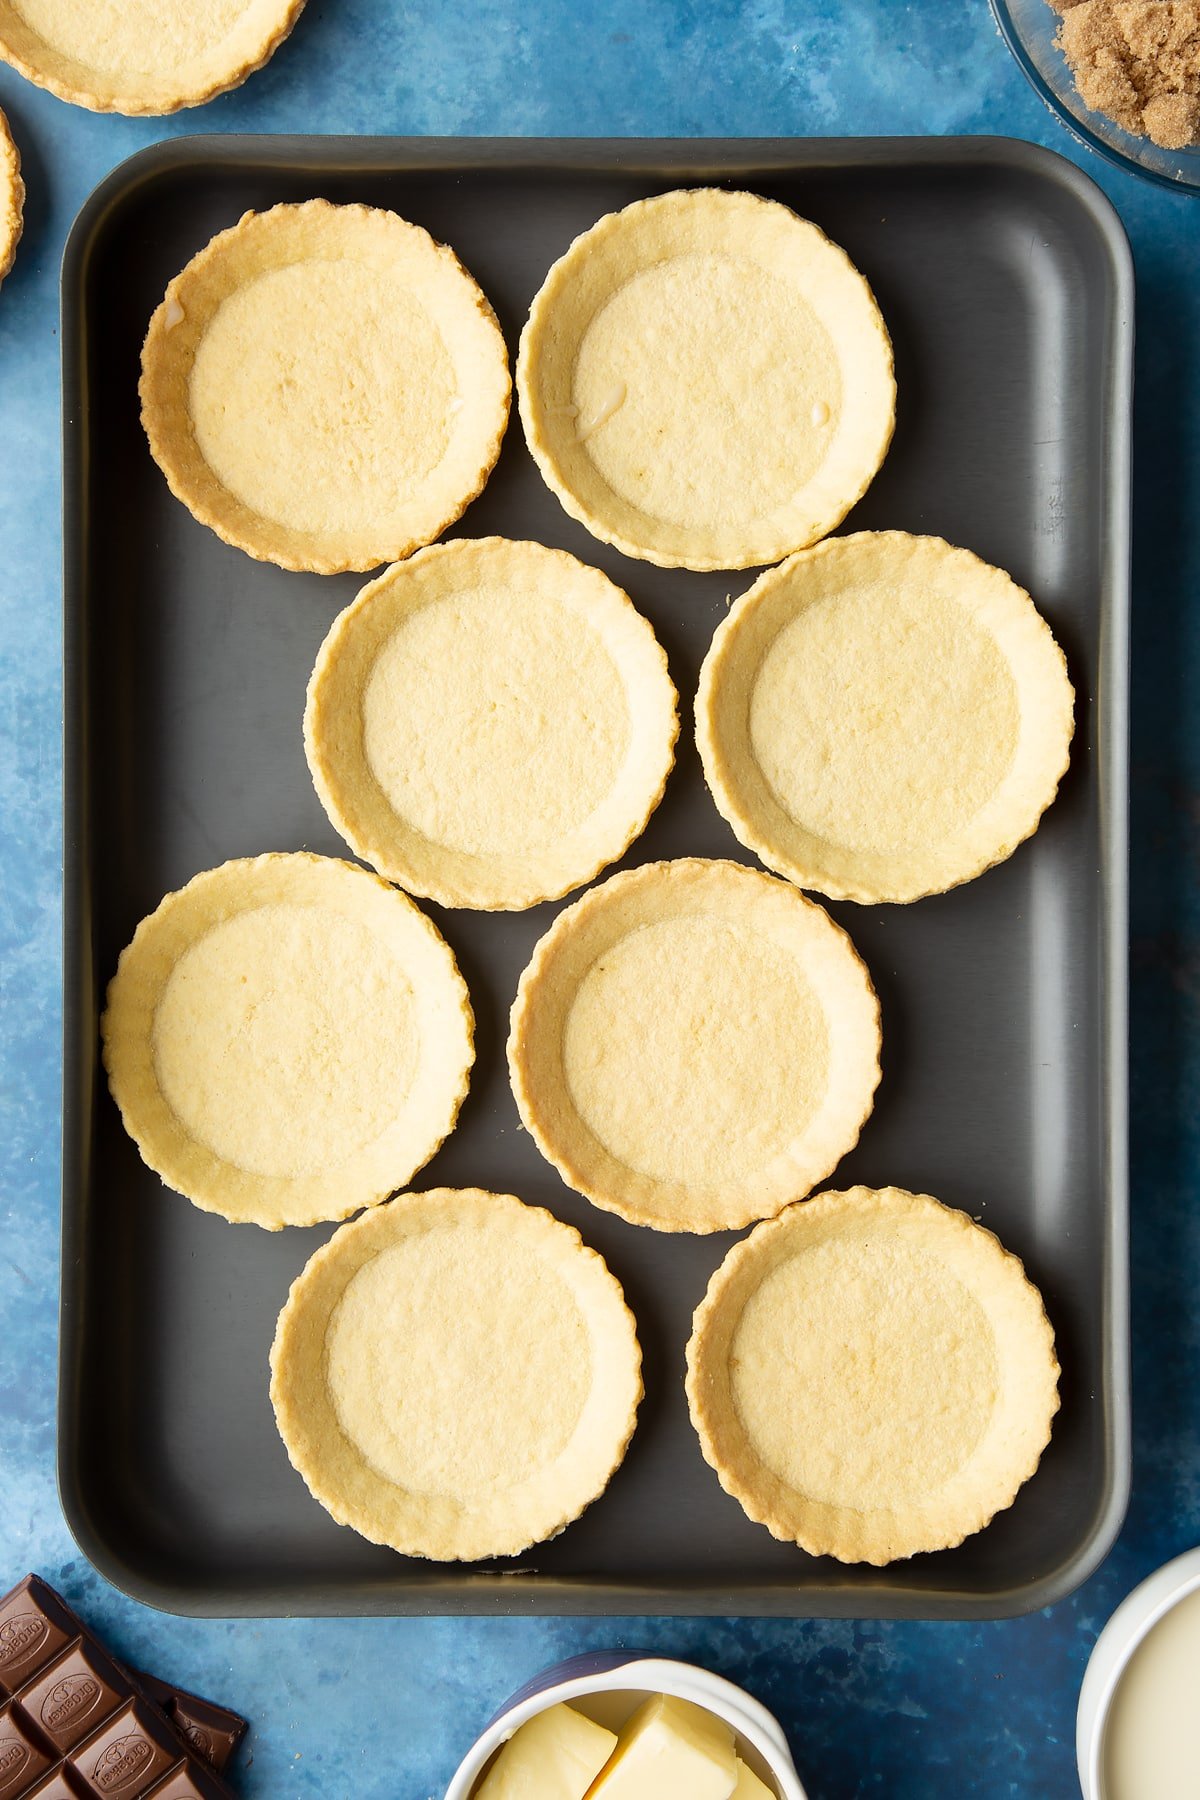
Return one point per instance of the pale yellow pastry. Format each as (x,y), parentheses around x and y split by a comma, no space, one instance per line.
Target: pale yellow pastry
(142,56)
(706,381)
(490,723)
(288,1038)
(12,198)
(456,1375)
(884,716)
(325,386)
(694,1044)
(872,1375)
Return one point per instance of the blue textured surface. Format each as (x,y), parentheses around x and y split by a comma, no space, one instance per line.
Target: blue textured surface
(385,1708)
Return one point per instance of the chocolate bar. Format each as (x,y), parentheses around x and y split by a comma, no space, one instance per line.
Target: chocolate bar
(76,1725)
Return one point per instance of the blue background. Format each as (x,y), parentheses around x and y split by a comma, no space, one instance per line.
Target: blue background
(386,1707)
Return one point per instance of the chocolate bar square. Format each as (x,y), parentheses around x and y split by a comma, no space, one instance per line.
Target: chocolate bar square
(214,1732)
(73,1697)
(133,1750)
(60,1784)
(22,1758)
(191,1781)
(34,1627)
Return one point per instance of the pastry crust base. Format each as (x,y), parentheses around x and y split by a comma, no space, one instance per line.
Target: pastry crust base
(876,1339)
(12,198)
(884,717)
(310,1056)
(705,381)
(456,1375)
(694,1045)
(325,387)
(117,85)
(490,723)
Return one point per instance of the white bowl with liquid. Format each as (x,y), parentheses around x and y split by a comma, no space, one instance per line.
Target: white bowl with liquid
(608,1686)
(1139,1706)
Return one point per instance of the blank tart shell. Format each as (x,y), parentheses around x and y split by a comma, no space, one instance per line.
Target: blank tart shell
(706,381)
(872,1375)
(883,717)
(325,387)
(694,1045)
(456,1375)
(142,56)
(490,723)
(12,198)
(288,1039)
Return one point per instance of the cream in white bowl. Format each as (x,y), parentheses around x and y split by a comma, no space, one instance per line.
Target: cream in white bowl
(1138,1728)
(609,1688)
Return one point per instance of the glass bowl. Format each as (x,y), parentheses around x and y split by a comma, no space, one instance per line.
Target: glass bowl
(1029,28)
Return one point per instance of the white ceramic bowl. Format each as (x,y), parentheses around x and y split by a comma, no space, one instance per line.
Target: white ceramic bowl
(608,1686)
(1116,1644)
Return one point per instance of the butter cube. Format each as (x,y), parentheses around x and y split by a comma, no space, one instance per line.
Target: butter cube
(749,1787)
(669,1750)
(553,1756)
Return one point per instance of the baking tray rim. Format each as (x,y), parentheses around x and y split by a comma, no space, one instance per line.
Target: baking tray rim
(459,1592)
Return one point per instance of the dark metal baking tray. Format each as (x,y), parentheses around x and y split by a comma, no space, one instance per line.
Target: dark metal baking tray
(1005,279)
